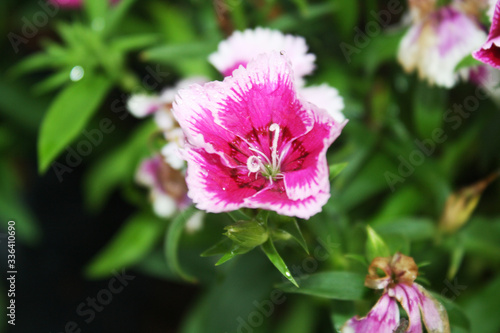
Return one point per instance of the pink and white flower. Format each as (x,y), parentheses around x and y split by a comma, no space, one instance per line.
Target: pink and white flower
(489,53)
(252,141)
(437,42)
(167,186)
(160,107)
(243,46)
(399,286)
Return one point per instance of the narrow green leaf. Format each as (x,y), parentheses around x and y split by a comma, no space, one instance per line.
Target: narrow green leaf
(226,257)
(375,245)
(36,62)
(336,169)
(116,167)
(238,215)
(428,105)
(96,10)
(273,255)
(221,247)
(132,242)
(292,228)
(116,14)
(172,238)
(482,307)
(333,285)
(67,116)
(134,42)
(52,82)
(13,207)
(457,255)
(358,258)
(413,228)
(180,51)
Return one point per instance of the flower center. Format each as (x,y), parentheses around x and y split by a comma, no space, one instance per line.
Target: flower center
(269,168)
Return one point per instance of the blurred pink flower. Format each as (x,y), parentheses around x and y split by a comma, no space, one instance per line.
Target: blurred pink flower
(167,186)
(399,286)
(489,53)
(436,43)
(251,141)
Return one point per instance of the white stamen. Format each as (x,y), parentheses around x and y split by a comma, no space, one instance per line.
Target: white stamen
(253,164)
(274,155)
(269,169)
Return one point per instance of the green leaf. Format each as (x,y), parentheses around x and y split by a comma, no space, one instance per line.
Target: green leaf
(333,285)
(336,169)
(468,61)
(116,14)
(52,82)
(133,241)
(375,245)
(429,103)
(116,167)
(413,228)
(172,238)
(13,207)
(172,53)
(96,10)
(482,308)
(67,116)
(134,42)
(221,247)
(239,215)
(273,255)
(290,226)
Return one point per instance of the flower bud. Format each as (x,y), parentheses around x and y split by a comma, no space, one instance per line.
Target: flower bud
(461,204)
(248,234)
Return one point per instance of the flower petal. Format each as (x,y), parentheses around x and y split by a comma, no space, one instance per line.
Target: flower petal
(436,45)
(221,115)
(489,53)
(275,198)
(409,298)
(213,186)
(327,98)
(241,47)
(142,105)
(305,166)
(382,318)
(433,313)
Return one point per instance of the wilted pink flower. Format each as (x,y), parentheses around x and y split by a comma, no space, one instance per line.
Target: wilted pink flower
(489,53)
(437,42)
(243,46)
(72,3)
(251,141)
(399,286)
(167,186)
